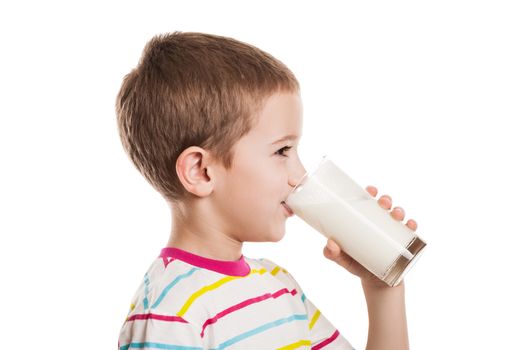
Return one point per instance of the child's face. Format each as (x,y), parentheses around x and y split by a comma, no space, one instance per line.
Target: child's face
(264,172)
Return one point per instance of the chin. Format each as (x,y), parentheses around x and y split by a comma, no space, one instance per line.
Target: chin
(276,237)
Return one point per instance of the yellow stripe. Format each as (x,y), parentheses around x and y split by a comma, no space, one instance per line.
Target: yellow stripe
(211,287)
(296,345)
(277,269)
(314,318)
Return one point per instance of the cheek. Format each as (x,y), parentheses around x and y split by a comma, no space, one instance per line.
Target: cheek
(275,168)
(247,187)
(259,187)
(262,174)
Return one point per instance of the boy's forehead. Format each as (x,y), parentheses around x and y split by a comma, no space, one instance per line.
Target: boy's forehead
(281,119)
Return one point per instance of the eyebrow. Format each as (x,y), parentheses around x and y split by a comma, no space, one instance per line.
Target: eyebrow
(285,138)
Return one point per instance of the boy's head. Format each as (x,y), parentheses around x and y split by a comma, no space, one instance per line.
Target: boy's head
(194,105)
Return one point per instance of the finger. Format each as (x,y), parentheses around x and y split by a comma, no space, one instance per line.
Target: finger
(372,190)
(333,252)
(333,247)
(398,213)
(412,224)
(385,201)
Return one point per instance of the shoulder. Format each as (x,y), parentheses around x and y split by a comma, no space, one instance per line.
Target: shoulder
(278,271)
(165,284)
(270,266)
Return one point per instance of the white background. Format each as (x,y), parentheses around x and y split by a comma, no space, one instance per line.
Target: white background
(424,100)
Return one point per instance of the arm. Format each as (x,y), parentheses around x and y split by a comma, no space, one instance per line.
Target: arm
(387,323)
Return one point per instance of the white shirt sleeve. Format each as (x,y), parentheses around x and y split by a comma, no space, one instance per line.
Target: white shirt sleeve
(323,334)
(167,333)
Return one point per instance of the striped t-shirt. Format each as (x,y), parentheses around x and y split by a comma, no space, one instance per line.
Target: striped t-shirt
(186,301)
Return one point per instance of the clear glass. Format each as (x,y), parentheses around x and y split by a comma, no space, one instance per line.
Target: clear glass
(333,204)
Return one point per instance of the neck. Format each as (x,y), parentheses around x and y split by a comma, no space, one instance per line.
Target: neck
(203,237)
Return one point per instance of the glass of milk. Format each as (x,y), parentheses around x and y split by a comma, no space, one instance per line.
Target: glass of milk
(336,206)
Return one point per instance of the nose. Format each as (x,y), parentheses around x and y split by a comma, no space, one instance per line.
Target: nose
(297,174)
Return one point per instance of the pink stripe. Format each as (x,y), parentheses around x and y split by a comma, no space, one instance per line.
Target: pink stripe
(244,304)
(167,261)
(157,317)
(239,267)
(326,341)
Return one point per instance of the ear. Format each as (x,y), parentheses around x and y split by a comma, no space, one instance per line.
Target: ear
(192,170)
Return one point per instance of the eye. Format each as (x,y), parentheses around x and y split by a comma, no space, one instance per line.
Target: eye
(284,149)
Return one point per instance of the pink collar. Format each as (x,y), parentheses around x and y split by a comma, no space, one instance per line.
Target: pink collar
(231,268)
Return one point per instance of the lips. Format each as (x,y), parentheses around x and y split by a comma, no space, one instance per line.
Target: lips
(288,209)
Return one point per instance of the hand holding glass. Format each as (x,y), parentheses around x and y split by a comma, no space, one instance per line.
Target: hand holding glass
(336,206)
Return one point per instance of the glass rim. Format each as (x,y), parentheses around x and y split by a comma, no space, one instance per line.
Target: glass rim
(309,172)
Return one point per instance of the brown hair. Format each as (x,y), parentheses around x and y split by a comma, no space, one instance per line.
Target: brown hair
(193,89)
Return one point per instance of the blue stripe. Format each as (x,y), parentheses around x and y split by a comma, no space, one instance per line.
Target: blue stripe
(146,291)
(158,346)
(261,329)
(173,283)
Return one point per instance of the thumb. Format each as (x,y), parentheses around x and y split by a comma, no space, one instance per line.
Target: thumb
(333,252)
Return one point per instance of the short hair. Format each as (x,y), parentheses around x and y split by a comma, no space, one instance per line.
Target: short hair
(193,89)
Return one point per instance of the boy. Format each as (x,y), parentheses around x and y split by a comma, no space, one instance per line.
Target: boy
(213,124)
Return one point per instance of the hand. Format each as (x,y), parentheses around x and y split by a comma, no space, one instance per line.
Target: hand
(333,252)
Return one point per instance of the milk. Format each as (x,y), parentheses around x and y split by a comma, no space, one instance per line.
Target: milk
(337,207)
